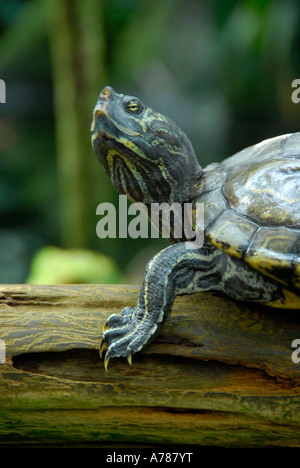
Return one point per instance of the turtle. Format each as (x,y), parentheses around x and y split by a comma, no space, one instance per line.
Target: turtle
(251,228)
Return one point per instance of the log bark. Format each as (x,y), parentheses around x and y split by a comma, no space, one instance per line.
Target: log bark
(219,374)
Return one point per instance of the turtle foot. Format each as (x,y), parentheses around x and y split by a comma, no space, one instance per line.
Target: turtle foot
(125,334)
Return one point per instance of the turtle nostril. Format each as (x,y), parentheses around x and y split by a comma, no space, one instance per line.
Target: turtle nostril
(107,91)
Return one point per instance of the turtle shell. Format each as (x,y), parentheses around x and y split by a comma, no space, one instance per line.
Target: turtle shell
(252,207)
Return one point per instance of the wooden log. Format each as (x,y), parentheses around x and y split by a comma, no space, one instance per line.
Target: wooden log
(219,374)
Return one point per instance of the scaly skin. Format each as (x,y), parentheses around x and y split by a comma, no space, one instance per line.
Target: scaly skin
(149,158)
(174,271)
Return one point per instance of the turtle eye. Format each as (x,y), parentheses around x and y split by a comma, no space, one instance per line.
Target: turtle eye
(133,106)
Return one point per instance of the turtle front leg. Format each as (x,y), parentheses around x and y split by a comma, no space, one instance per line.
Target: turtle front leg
(181,269)
(178,269)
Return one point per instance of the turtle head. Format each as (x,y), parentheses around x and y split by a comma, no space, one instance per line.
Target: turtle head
(147,156)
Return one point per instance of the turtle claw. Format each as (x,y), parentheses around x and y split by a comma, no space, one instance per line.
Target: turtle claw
(106,360)
(107,357)
(102,347)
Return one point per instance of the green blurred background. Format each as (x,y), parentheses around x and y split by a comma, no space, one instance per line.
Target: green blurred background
(221,69)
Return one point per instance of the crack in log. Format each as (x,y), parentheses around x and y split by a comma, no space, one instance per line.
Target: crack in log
(85,366)
(177,340)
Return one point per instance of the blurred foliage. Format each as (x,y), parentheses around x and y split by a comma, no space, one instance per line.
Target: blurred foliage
(72,266)
(221,69)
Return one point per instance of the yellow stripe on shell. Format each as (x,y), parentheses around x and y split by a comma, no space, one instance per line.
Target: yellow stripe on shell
(290,301)
(270,190)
